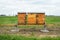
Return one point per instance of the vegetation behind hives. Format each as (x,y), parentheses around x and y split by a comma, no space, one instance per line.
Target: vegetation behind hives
(8,19)
(14,19)
(52,19)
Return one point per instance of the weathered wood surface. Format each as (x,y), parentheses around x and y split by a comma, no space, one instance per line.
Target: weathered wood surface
(21,18)
(32,18)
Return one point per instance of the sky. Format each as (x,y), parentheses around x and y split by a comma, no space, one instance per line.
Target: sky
(12,7)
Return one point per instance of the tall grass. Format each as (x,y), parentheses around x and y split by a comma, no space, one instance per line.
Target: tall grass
(13,19)
(52,19)
(17,37)
(8,19)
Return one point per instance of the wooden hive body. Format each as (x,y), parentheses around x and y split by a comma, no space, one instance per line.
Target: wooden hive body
(40,18)
(21,18)
(32,18)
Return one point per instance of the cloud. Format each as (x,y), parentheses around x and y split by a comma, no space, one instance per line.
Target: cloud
(10,7)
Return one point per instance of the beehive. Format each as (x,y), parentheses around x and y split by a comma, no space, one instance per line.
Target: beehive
(40,17)
(21,18)
(31,18)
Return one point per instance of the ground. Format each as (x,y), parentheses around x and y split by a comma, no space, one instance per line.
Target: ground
(8,26)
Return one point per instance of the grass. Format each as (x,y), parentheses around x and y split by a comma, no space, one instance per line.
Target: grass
(19,37)
(13,19)
(8,19)
(30,26)
(52,19)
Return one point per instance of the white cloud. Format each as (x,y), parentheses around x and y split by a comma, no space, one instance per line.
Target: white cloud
(10,7)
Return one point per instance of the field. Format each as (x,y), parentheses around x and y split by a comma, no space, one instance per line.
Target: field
(16,37)
(13,19)
(8,19)
(29,32)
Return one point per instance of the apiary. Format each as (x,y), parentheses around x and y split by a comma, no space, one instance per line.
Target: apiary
(31,18)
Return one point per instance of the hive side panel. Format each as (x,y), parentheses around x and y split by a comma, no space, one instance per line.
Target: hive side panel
(21,18)
(31,18)
(41,18)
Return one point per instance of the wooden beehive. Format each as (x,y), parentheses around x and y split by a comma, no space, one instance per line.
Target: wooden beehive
(21,18)
(40,17)
(31,18)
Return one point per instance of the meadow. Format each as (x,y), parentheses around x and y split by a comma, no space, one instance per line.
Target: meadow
(18,37)
(8,19)
(12,20)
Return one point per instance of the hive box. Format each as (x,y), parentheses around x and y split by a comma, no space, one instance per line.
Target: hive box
(40,18)
(21,18)
(31,18)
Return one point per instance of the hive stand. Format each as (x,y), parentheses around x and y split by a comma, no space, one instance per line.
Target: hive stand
(44,29)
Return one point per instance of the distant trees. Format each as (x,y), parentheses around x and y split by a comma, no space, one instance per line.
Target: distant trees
(49,15)
(16,15)
(2,15)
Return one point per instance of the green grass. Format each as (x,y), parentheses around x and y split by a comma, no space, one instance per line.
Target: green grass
(30,26)
(8,19)
(52,19)
(18,37)
(13,19)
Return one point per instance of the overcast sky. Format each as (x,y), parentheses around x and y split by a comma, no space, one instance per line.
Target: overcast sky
(11,7)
